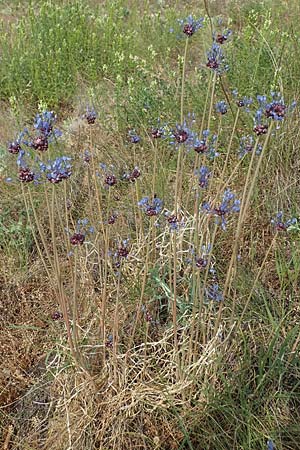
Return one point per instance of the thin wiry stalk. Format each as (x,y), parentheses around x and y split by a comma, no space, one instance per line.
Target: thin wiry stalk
(179,169)
(243,210)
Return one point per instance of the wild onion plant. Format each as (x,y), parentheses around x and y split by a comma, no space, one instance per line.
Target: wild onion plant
(142,237)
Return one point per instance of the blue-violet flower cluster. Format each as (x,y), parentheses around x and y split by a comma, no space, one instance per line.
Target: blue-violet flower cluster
(228,206)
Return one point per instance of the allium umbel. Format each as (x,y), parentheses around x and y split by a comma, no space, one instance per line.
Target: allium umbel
(228,206)
(203,174)
(221,38)
(90,115)
(280,224)
(14,147)
(183,135)
(82,229)
(25,175)
(57,170)
(221,107)
(190,25)
(216,59)
(151,207)
(206,145)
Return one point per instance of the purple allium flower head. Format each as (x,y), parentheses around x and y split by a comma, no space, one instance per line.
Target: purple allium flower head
(183,134)
(112,219)
(123,249)
(190,25)
(221,107)
(77,239)
(86,156)
(57,170)
(56,315)
(281,225)
(259,127)
(151,207)
(216,59)
(82,229)
(40,143)
(228,206)
(206,145)
(214,293)
(44,123)
(90,115)
(109,178)
(159,130)
(120,254)
(247,145)
(242,102)
(274,109)
(133,175)
(133,137)
(221,38)
(109,342)
(204,174)
(173,221)
(15,146)
(45,132)
(200,258)
(26,175)
(157,133)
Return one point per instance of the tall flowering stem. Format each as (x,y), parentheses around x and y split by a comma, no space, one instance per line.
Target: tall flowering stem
(57,284)
(247,193)
(230,143)
(143,287)
(106,245)
(116,327)
(182,82)
(211,100)
(262,265)
(178,182)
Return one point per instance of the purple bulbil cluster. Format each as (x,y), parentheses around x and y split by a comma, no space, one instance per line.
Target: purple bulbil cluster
(151,207)
(203,174)
(228,206)
(57,170)
(280,224)
(216,59)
